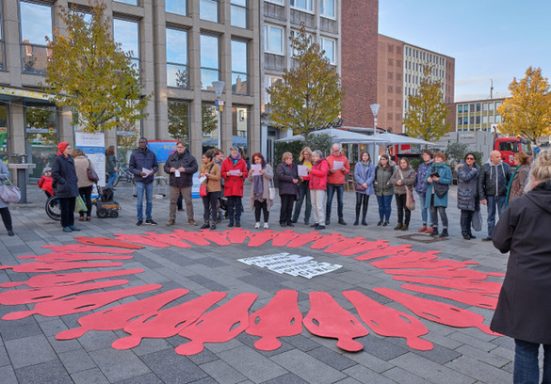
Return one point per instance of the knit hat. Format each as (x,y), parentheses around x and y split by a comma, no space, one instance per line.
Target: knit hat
(61,147)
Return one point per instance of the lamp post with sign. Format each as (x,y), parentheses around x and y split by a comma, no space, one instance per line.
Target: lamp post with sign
(219,103)
(375,110)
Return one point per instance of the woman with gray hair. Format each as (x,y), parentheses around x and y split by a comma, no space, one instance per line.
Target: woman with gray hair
(318,186)
(524,307)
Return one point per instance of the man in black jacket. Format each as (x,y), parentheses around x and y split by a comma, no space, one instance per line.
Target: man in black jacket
(143,164)
(492,188)
(180,166)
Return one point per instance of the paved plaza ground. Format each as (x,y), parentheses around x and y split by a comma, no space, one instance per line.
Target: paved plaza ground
(29,352)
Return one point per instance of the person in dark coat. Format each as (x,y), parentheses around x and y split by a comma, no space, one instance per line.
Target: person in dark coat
(180,166)
(467,193)
(65,185)
(143,165)
(287,176)
(523,310)
(438,185)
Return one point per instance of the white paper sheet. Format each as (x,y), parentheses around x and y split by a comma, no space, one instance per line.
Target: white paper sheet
(338,165)
(303,170)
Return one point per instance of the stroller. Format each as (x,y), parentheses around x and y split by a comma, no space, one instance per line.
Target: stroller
(105,205)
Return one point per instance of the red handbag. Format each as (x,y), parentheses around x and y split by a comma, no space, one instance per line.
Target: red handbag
(203,190)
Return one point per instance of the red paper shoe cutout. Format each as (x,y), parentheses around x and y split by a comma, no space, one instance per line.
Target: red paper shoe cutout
(215,237)
(217,326)
(385,252)
(191,237)
(437,312)
(38,295)
(238,235)
(389,322)
(168,322)
(57,257)
(407,260)
(327,240)
(168,238)
(54,267)
(475,299)
(303,239)
(61,279)
(107,242)
(142,240)
(367,246)
(281,239)
(261,238)
(82,303)
(445,273)
(80,248)
(488,288)
(113,319)
(280,317)
(346,243)
(327,318)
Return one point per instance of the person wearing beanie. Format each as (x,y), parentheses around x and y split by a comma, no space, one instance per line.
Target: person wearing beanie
(65,185)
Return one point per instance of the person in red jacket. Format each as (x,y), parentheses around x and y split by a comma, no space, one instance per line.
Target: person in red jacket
(46,182)
(339,167)
(318,185)
(234,172)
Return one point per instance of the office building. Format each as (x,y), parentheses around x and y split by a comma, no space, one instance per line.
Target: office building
(474,115)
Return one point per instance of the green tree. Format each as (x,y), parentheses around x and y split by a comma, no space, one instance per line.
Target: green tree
(309,97)
(426,115)
(178,120)
(89,73)
(527,112)
(208,118)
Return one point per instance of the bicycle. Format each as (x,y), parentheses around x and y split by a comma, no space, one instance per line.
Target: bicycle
(124,174)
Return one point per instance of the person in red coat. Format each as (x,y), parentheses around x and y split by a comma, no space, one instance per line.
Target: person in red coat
(339,167)
(318,186)
(234,173)
(46,182)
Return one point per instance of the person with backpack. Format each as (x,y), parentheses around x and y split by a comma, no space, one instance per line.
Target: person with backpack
(438,185)
(143,165)
(383,189)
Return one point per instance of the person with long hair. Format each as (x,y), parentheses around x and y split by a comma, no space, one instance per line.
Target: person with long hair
(211,172)
(383,189)
(523,309)
(438,185)
(305,159)
(421,189)
(287,176)
(318,188)
(364,174)
(467,193)
(519,177)
(261,180)
(85,185)
(65,185)
(402,178)
(234,173)
(110,166)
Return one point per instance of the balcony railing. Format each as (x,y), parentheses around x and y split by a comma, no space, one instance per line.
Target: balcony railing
(34,58)
(177,76)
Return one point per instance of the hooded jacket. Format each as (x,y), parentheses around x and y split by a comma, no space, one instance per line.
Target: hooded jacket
(318,176)
(493,180)
(524,306)
(177,160)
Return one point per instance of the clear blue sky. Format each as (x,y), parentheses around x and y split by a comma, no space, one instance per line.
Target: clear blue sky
(489,39)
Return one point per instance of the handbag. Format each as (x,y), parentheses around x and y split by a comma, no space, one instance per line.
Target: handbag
(272,191)
(440,189)
(91,174)
(9,193)
(80,205)
(410,200)
(477,221)
(203,190)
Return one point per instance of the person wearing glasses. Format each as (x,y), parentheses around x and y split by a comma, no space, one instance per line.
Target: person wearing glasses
(467,193)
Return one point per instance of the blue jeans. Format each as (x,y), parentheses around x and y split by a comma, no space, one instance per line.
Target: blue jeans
(494,202)
(303,193)
(526,369)
(424,210)
(385,207)
(111,179)
(140,189)
(331,189)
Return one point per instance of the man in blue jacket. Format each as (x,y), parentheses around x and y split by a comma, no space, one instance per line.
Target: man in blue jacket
(143,164)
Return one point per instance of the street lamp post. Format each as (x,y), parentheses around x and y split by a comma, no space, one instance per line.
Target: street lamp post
(219,103)
(375,110)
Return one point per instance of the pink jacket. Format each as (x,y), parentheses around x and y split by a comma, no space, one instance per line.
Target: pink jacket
(318,175)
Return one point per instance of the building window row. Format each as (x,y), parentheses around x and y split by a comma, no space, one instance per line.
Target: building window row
(477,107)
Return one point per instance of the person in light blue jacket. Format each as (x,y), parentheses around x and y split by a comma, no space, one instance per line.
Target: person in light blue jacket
(364,173)
(438,185)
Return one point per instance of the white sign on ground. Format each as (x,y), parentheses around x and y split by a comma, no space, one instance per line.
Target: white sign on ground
(294,265)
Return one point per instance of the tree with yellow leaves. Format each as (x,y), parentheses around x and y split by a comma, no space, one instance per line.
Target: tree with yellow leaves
(426,114)
(89,73)
(527,112)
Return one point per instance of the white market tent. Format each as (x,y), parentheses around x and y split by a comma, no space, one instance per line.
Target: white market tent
(340,136)
(392,139)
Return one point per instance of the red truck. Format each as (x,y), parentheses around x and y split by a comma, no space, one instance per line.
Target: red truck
(508,146)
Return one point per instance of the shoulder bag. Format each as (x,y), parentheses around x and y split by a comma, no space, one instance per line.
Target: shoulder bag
(91,174)
(9,193)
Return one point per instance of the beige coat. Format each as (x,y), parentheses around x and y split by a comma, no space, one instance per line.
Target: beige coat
(267,183)
(81,167)
(213,181)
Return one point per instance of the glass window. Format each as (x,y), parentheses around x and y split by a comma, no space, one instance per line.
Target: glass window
(269,80)
(239,13)
(41,136)
(178,120)
(302,4)
(131,2)
(478,107)
(485,106)
(209,119)
(240,128)
(273,39)
(210,61)
(275,1)
(471,107)
(208,10)
(178,7)
(329,46)
(484,119)
(239,67)
(177,70)
(491,106)
(459,108)
(34,53)
(460,121)
(126,33)
(3,131)
(328,10)
(477,120)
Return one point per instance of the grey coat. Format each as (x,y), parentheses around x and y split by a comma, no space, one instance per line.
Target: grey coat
(467,187)
(266,182)
(408,179)
(4,175)
(285,175)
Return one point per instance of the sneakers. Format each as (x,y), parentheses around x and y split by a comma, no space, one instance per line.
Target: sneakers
(139,223)
(257,225)
(150,222)
(444,233)
(266,226)
(170,222)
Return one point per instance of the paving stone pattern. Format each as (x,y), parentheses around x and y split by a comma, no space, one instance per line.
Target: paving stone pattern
(29,352)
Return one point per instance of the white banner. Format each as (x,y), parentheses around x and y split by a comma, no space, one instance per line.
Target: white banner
(93,146)
(294,265)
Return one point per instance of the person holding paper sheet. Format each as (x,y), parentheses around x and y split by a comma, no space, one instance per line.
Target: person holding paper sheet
(287,176)
(402,178)
(318,186)
(234,173)
(143,165)
(304,167)
(364,173)
(339,167)
(210,171)
(180,166)
(261,176)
